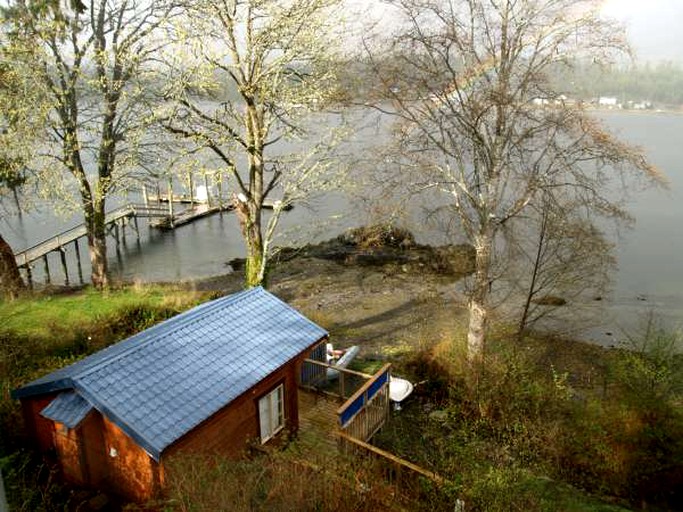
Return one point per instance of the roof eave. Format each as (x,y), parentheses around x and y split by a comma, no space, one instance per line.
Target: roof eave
(42,389)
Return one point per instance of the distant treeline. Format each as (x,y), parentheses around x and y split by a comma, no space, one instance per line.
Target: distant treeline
(660,84)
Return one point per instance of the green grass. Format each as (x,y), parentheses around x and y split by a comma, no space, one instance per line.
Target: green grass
(37,317)
(549,425)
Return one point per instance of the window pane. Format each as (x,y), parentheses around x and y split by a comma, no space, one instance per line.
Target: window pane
(271,413)
(264,417)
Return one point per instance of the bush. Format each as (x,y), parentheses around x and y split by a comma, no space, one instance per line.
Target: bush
(523,418)
(377,236)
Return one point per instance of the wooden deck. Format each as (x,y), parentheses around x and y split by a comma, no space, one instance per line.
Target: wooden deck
(318,425)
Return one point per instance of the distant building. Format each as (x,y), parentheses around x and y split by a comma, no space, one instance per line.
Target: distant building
(608,102)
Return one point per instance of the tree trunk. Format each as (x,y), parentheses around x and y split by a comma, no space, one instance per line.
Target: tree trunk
(534,274)
(249,216)
(11,283)
(478,304)
(97,245)
(255,256)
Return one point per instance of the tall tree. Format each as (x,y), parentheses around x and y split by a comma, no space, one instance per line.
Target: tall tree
(479,119)
(95,59)
(262,68)
(22,116)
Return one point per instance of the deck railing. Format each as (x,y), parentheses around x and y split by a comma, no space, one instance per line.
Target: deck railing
(314,377)
(367,410)
(396,470)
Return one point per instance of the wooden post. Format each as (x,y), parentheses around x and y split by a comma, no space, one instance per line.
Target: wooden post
(158,193)
(47,269)
(78,261)
(62,256)
(145,197)
(137,228)
(170,200)
(191,178)
(124,221)
(219,186)
(29,277)
(208,193)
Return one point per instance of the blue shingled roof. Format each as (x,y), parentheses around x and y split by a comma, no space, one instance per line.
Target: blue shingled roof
(161,383)
(68,408)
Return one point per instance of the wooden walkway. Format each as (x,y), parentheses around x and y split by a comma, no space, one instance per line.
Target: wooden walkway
(199,211)
(112,221)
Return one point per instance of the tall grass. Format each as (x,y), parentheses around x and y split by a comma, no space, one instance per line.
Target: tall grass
(543,417)
(276,482)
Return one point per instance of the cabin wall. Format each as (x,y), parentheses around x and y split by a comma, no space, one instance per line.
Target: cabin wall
(85,453)
(68,443)
(229,431)
(81,451)
(131,471)
(39,429)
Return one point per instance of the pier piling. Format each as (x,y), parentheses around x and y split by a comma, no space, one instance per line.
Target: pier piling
(48,280)
(78,261)
(62,256)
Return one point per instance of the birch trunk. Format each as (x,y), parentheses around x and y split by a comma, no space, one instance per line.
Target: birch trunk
(478,304)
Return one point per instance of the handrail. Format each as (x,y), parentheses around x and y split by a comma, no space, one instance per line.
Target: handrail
(363,388)
(438,479)
(115,214)
(339,369)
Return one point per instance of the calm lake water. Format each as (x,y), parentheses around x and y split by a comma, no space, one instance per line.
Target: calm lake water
(650,274)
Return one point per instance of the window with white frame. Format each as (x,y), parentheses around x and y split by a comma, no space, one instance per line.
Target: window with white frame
(271,410)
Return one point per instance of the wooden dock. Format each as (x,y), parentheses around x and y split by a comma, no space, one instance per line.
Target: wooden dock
(161,215)
(115,225)
(189,215)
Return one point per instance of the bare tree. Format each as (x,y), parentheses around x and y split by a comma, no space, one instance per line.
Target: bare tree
(262,68)
(480,123)
(96,61)
(562,258)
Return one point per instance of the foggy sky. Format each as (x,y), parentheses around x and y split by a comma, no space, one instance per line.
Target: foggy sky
(654,27)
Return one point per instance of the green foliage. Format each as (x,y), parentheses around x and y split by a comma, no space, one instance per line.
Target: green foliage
(43,316)
(538,430)
(661,83)
(30,484)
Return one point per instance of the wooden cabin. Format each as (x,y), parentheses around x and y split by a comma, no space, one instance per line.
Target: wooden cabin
(212,379)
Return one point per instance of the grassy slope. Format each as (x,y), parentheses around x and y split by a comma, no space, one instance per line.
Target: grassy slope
(38,317)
